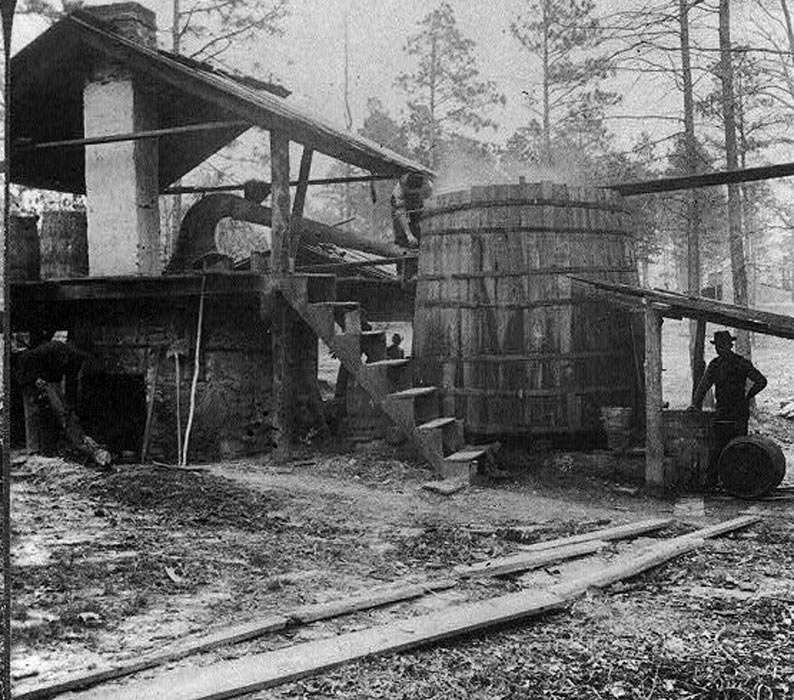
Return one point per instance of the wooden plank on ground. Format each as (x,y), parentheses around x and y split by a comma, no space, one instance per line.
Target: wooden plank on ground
(633,563)
(524,562)
(724,527)
(244,632)
(227,636)
(618,532)
(230,679)
(374,598)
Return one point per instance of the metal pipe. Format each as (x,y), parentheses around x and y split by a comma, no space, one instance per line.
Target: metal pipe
(201,189)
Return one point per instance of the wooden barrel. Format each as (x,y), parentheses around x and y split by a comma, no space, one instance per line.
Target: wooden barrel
(24,253)
(751,466)
(519,347)
(64,244)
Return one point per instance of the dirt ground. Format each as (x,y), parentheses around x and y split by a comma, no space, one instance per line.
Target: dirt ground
(110,566)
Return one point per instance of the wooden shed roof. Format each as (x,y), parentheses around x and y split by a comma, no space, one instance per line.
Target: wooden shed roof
(47,105)
(674,305)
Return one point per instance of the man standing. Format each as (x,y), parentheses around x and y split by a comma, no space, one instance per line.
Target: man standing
(728,373)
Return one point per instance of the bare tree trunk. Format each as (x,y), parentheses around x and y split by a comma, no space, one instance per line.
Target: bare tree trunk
(175,210)
(697,362)
(735,238)
(546,106)
(789,28)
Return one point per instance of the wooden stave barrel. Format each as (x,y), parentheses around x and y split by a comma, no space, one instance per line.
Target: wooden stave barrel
(64,244)
(24,251)
(564,392)
(740,457)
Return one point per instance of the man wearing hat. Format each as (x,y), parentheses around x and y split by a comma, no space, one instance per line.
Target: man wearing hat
(728,373)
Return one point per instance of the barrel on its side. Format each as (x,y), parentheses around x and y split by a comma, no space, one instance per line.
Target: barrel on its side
(24,253)
(64,244)
(751,466)
(519,347)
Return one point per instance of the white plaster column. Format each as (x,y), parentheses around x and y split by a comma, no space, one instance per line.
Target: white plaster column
(121,178)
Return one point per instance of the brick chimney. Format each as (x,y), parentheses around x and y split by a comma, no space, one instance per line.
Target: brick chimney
(122,177)
(130,20)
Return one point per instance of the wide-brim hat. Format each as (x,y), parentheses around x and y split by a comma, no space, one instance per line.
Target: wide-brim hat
(722,337)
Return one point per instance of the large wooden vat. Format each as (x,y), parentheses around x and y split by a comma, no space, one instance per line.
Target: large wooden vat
(518,346)
(64,244)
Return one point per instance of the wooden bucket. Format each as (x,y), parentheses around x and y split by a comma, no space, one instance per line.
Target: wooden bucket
(751,466)
(64,244)
(24,253)
(518,347)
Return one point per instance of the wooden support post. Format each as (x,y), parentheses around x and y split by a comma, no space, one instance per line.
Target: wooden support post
(654,445)
(279,225)
(698,352)
(280,328)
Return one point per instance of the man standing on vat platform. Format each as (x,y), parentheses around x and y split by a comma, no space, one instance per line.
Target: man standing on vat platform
(729,374)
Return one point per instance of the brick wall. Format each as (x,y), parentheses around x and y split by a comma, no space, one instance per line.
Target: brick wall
(233,398)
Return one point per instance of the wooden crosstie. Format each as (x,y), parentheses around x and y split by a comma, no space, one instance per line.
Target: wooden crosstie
(415,410)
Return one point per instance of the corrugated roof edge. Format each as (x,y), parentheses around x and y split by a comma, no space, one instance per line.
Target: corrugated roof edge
(245,101)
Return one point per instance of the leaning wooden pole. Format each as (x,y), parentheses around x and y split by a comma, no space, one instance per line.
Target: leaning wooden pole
(283,264)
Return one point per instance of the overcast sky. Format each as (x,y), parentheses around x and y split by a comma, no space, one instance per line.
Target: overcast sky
(309,57)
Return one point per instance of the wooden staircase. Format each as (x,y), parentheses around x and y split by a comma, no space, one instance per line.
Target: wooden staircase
(414,410)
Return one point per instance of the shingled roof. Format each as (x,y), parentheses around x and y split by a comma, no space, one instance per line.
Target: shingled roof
(48,77)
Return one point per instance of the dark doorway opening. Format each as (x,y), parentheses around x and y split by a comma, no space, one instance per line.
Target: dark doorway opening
(113,410)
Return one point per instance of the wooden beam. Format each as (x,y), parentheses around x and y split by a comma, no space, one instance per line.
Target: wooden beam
(619,532)
(281,318)
(300,198)
(331,267)
(689,182)
(698,353)
(244,632)
(280,220)
(633,563)
(132,136)
(654,444)
(502,566)
(256,672)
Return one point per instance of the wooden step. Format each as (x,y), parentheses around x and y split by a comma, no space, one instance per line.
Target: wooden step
(416,405)
(450,430)
(413,392)
(463,463)
(436,423)
(388,376)
(401,362)
(467,455)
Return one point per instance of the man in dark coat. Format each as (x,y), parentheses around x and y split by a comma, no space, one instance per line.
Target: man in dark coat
(728,373)
(40,373)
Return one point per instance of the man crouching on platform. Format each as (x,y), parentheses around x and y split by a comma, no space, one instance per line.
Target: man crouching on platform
(728,373)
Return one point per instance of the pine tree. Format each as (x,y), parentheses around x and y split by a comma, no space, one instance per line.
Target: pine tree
(445,92)
(563,35)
